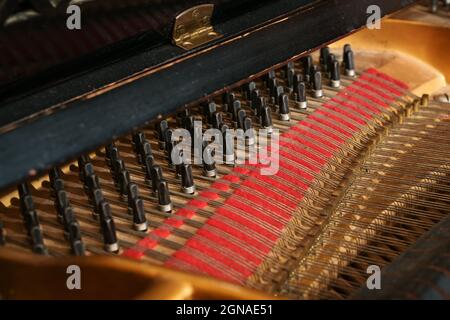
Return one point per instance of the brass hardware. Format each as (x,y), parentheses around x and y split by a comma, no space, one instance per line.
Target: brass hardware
(193,27)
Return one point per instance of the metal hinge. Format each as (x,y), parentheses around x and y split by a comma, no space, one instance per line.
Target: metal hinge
(193,27)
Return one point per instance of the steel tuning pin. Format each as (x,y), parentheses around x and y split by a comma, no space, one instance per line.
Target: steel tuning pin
(283,107)
(161,128)
(290,77)
(330,61)
(164,202)
(256,95)
(108,228)
(335,77)
(76,242)
(187,179)
(236,106)
(317,85)
(307,63)
(266,119)
(156,176)
(300,94)
(208,111)
(349,61)
(209,164)
(136,208)
(217,120)
(181,117)
(31,220)
(248,129)
(228,146)
(241,114)
(324,54)
(138,139)
(248,89)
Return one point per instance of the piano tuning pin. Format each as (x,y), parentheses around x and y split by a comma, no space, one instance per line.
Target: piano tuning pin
(133,193)
(270,76)
(248,89)
(23,189)
(67,217)
(156,176)
(209,165)
(335,78)
(97,198)
(209,110)
(234,109)
(78,248)
(298,78)
(227,101)
(61,203)
(37,241)
(272,85)
(349,62)
(181,117)
(317,85)
(289,66)
(124,180)
(241,114)
(53,175)
(324,53)
(331,59)
(307,63)
(144,151)
(260,102)
(290,77)
(254,100)
(164,202)
(300,94)
(108,228)
(161,128)
(217,119)
(138,139)
(250,134)
(279,91)
(312,71)
(139,219)
(187,179)
(148,164)
(228,150)
(266,119)
(283,107)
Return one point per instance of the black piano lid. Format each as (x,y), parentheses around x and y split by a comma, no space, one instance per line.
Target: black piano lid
(40,130)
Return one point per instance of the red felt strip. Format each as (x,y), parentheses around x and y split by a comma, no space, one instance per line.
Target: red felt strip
(218,240)
(388,78)
(338,119)
(238,234)
(297,148)
(350,106)
(296,170)
(299,130)
(374,90)
(233,202)
(262,202)
(330,125)
(247,223)
(212,253)
(368,96)
(303,162)
(381,84)
(308,143)
(345,113)
(272,194)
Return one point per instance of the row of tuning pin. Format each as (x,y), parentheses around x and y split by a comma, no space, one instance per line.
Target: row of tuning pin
(295,82)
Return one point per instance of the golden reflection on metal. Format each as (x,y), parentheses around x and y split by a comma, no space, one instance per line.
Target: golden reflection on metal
(193,27)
